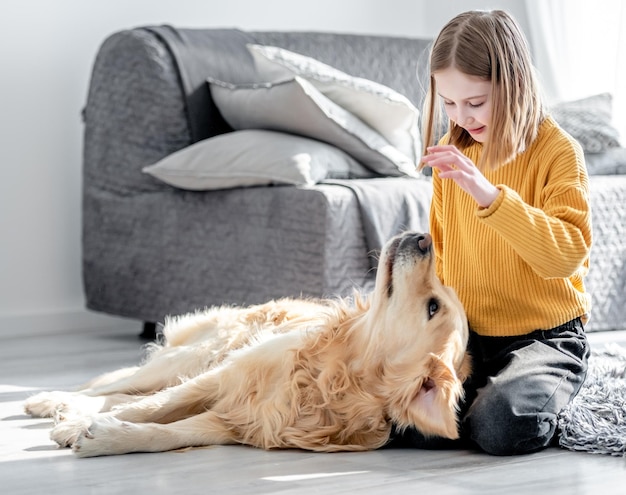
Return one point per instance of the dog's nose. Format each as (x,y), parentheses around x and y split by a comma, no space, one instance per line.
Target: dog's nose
(424,242)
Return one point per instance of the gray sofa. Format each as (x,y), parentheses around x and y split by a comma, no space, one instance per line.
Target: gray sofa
(150,249)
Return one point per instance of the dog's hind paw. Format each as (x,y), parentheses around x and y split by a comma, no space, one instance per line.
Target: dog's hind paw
(46,404)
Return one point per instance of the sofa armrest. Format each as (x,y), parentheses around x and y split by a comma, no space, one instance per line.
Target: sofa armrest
(134,114)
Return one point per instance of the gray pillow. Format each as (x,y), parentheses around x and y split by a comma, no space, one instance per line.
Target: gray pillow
(588,120)
(294,105)
(386,111)
(610,162)
(255,158)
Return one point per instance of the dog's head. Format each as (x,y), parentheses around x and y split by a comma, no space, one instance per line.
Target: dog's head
(418,333)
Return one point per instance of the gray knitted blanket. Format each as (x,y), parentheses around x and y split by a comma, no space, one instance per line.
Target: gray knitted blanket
(595,421)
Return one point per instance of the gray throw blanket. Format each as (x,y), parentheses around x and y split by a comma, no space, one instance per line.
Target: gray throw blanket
(229,61)
(388,208)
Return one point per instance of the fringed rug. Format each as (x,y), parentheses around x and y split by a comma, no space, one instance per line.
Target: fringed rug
(595,421)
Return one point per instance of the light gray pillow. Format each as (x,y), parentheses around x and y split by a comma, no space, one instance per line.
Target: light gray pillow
(588,120)
(255,158)
(386,111)
(296,106)
(609,162)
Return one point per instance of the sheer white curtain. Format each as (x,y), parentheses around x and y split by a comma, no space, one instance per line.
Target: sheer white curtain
(579,48)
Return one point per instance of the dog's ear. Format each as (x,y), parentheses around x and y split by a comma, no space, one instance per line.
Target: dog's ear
(465,369)
(434,408)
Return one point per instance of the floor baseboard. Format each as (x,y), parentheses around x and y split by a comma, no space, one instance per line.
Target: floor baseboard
(34,324)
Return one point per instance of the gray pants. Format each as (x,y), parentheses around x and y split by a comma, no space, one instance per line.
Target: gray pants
(517,388)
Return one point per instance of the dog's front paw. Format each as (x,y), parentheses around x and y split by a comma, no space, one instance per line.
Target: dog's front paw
(67,432)
(105,435)
(46,404)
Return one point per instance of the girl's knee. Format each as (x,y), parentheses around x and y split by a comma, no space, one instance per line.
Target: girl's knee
(501,430)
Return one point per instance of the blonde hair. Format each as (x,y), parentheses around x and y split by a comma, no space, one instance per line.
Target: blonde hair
(490,45)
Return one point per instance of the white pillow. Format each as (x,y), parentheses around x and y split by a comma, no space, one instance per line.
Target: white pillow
(254,158)
(383,109)
(295,106)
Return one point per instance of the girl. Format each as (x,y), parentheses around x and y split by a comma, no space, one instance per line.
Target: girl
(511,225)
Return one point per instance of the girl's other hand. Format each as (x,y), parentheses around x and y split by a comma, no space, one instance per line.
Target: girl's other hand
(452,164)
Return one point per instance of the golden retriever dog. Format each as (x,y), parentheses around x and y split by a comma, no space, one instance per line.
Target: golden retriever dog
(324,375)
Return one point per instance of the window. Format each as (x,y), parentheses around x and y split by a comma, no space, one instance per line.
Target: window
(580,49)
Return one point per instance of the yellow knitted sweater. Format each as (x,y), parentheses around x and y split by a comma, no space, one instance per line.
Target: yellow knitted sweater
(518,265)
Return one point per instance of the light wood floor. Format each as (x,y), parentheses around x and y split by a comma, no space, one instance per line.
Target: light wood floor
(31,463)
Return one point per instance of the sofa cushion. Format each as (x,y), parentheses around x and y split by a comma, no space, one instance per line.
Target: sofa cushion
(383,109)
(588,120)
(255,158)
(294,105)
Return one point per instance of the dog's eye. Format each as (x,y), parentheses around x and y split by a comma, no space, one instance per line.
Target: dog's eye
(433,307)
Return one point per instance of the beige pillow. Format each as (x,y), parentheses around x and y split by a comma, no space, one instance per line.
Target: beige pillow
(296,106)
(255,158)
(386,111)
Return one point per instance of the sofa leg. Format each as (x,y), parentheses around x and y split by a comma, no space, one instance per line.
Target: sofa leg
(149,331)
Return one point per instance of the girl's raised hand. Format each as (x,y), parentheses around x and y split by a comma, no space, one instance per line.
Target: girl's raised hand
(452,164)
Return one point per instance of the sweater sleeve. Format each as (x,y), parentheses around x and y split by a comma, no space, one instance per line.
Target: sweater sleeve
(554,237)
(435,226)
(436,218)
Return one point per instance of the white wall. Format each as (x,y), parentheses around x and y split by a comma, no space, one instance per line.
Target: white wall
(46,51)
